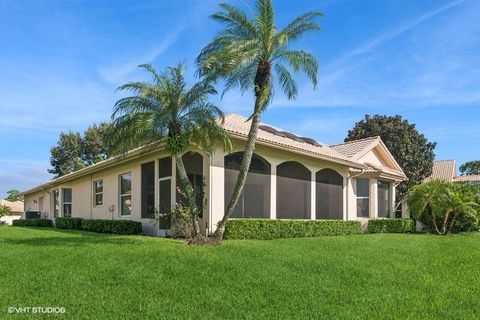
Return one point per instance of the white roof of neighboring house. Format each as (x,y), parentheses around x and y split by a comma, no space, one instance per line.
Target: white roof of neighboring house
(238,127)
(15,206)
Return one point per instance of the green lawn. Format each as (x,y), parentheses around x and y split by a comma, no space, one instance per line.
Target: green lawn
(117,277)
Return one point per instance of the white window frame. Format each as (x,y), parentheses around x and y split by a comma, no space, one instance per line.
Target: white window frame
(95,193)
(363,198)
(56,196)
(121,196)
(67,203)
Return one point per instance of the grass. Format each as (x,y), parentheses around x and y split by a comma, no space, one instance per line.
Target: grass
(378,276)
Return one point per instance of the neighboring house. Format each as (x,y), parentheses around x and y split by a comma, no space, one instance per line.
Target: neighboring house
(17,210)
(290,177)
(447,170)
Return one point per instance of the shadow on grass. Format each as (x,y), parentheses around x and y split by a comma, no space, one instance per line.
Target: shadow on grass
(70,238)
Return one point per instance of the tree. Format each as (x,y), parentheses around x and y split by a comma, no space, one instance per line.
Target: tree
(252,53)
(470,168)
(167,112)
(74,151)
(413,152)
(14,195)
(95,145)
(441,203)
(65,157)
(5,211)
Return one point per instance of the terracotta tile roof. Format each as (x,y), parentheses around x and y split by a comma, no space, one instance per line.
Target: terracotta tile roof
(238,125)
(352,148)
(15,206)
(443,170)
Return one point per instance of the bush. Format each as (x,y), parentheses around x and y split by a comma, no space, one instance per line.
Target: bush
(391,225)
(465,223)
(112,226)
(33,223)
(264,229)
(69,223)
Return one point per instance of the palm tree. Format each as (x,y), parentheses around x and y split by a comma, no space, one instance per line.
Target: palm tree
(245,54)
(167,112)
(5,211)
(441,203)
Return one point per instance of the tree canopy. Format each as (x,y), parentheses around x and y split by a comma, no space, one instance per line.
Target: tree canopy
(412,150)
(14,195)
(75,151)
(470,168)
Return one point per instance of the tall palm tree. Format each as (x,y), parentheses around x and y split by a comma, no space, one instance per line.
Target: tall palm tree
(250,53)
(166,111)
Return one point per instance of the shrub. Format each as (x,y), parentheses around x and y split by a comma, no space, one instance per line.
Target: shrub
(181,221)
(263,229)
(69,223)
(391,225)
(465,223)
(112,226)
(33,223)
(440,203)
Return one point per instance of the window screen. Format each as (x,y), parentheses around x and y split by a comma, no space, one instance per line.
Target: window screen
(293,191)
(254,201)
(126,194)
(363,198)
(67,202)
(148,190)
(329,194)
(383,199)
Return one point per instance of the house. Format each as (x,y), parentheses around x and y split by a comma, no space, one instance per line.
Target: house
(447,170)
(290,177)
(16,208)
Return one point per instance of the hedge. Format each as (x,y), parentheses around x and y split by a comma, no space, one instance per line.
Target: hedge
(391,225)
(264,229)
(69,223)
(33,223)
(112,226)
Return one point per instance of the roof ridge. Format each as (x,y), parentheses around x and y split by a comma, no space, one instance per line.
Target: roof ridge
(356,140)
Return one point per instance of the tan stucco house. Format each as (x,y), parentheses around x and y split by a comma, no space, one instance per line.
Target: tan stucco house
(291,177)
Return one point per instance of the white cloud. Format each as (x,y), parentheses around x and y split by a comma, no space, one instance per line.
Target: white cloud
(118,72)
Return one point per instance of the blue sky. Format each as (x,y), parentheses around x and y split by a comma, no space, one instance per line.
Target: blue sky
(60,62)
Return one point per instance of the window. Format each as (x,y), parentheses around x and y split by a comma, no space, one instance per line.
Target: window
(363,198)
(165,190)
(293,191)
(56,203)
(383,199)
(67,202)
(148,190)
(193,163)
(126,194)
(98,192)
(329,194)
(254,200)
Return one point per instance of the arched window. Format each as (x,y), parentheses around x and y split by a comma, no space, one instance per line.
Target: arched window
(255,199)
(193,163)
(293,191)
(329,194)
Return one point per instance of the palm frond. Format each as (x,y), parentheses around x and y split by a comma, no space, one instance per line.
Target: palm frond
(302,61)
(286,81)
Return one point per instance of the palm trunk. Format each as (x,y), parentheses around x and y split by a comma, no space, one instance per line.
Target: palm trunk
(242,176)
(262,92)
(434,221)
(189,193)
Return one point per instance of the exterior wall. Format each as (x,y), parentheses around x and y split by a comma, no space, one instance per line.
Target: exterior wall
(213,172)
(373,157)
